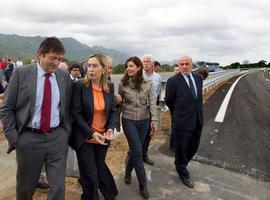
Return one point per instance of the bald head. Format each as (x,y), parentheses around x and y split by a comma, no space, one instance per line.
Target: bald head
(185,64)
(63,66)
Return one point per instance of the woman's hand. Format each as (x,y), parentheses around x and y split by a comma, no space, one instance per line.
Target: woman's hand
(153,128)
(118,98)
(109,134)
(100,139)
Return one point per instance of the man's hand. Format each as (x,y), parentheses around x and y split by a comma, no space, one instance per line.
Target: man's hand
(109,134)
(11,147)
(100,139)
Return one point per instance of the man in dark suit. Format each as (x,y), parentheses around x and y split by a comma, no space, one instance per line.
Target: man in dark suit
(184,99)
(36,120)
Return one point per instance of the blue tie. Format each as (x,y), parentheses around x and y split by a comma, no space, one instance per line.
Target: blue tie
(191,86)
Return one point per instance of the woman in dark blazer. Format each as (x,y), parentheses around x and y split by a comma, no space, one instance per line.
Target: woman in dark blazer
(93,111)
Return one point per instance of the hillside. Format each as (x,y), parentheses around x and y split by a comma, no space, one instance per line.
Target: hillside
(14,46)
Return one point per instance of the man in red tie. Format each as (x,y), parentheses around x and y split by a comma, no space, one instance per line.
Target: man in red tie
(36,120)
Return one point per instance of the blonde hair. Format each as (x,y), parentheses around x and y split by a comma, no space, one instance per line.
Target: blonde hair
(104,64)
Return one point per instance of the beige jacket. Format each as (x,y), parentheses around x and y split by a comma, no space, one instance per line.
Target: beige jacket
(136,105)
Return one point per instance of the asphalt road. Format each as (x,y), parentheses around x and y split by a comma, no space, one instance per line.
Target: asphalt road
(242,142)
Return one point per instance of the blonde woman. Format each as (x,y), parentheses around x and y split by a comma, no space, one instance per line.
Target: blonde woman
(93,112)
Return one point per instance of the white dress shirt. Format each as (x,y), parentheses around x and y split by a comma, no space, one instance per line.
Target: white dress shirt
(55,109)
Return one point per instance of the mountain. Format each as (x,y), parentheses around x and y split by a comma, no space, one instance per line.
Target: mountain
(15,46)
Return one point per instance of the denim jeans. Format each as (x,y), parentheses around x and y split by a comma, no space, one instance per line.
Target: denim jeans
(135,132)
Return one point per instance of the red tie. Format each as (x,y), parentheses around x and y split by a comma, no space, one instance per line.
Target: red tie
(45,118)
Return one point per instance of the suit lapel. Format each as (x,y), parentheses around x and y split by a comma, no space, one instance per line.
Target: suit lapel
(32,86)
(106,100)
(184,83)
(61,86)
(89,98)
(198,84)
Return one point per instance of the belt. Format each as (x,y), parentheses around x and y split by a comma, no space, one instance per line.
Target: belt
(35,130)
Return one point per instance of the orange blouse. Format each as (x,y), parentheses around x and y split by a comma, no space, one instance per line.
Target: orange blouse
(99,116)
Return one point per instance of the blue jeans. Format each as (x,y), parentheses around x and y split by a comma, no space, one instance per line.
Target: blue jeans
(135,132)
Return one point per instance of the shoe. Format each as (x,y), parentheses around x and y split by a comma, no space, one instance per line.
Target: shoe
(187,182)
(42,185)
(148,161)
(144,191)
(128,179)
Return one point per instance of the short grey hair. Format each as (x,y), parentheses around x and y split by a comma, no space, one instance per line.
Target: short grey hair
(152,58)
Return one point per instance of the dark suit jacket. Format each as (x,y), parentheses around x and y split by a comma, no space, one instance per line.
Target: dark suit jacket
(187,111)
(82,112)
(20,97)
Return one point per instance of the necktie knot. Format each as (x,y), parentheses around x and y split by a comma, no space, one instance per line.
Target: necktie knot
(47,75)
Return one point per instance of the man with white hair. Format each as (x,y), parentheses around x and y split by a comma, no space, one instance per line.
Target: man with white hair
(148,73)
(184,99)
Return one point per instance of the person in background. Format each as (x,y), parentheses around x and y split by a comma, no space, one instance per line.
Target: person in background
(203,72)
(36,121)
(109,68)
(3,66)
(63,66)
(93,113)
(138,100)
(75,72)
(148,73)
(157,66)
(184,98)
(33,61)
(175,69)
(2,90)
(19,62)
(9,70)
(83,69)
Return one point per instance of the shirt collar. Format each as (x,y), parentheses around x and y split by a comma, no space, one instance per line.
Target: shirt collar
(42,72)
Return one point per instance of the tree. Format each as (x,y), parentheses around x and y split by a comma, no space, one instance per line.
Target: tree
(262,63)
(235,65)
(118,69)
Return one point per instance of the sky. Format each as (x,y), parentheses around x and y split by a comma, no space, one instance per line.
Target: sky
(224,31)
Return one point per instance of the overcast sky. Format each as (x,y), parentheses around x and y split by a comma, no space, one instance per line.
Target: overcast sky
(213,30)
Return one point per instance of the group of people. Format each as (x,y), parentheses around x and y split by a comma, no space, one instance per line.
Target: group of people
(51,109)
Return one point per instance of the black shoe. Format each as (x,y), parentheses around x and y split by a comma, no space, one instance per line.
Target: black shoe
(128,179)
(42,185)
(148,161)
(144,191)
(187,182)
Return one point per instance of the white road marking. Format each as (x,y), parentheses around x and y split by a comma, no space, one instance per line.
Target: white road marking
(223,108)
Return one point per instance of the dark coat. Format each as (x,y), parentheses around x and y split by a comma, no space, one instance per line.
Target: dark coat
(187,111)
(82,112)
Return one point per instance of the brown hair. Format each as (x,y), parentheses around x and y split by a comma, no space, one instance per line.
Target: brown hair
(203,72)
(51,44)
(138,79)
(103,81)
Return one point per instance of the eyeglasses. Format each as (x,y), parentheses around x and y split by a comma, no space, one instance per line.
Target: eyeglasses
(183,64)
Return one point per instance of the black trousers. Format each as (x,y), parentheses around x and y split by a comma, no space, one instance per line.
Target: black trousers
(186,144)
(94,173)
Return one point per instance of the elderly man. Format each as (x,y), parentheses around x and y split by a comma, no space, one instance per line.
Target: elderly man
(148,73)
(184,99)
(36,120)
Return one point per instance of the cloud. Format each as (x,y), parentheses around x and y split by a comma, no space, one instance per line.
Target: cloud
(224,32)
